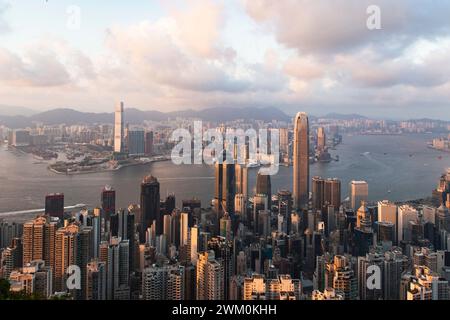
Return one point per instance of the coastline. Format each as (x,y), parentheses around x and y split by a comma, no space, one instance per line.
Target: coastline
(75,173)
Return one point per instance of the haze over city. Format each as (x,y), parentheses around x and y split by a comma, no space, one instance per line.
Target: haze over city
(176,55)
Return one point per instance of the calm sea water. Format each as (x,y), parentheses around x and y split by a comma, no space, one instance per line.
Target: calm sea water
(402,164)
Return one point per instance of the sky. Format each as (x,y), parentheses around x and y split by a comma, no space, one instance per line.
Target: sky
(317,56)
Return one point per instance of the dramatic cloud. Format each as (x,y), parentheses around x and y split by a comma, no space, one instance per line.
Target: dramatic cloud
(331,26)
(314,55)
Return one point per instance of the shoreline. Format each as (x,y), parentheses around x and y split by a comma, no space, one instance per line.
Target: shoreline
(103,170)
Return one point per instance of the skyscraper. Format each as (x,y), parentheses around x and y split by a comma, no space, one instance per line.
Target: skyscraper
(225,188)
(136,142)
(66,240)
(359,191)
(241,179)
(210,277)
(149,143)
(96,280)
(108,202)
(39,241)
(150,206)
(318,192)
(264,186)
(301,161)
(321,139)
(119,129)
(54,205)
(115,255)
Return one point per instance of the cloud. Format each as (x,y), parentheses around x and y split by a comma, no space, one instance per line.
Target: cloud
(4,7)
(331,26)
(199,26)
(39,70)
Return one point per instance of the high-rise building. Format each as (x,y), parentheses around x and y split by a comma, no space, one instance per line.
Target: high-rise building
(406,214)
(318,192)
(264,186)
(387,212)
(240,206)
(9,231)
(260,204)
(332,193)
(149,143)
(184,229)
(96,280)
(340,276)
(136,142)
(301,161)
(443,218)
(242,180)
(119,129)
(364,262)
(39,241)
(284,140)
(194,244)
(225,188)
(225,227)
(66,240)
(123,227)
(115,255)
(359,191)
(321,139)
(150,206)
(392,274)
(163,283)
(210,277)
(108,202)
(54,205)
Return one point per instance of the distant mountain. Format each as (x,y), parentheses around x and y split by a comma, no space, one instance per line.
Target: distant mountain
(339,116)
(15,111)
(135,116)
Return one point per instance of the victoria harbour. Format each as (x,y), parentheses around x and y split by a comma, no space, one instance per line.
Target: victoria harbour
(397,167)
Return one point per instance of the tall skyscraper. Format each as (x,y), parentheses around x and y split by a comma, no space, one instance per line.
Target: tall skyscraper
(150,206)
(39,241)
(406,214)
(66,240)
(264,186)
(321,139)
(225,188)
(301,161)
(96,280)
(325,193)
(318,192)
(108,202)
(242,179)
(115,255)
(119,129)
(359,191)
(54,205)
(136,142)
(210,277)
(387,212)
(184,229)
(332,192)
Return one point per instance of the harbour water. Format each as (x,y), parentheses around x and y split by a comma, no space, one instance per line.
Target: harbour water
(396,167)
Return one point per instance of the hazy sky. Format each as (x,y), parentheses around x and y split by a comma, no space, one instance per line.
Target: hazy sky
(310,55)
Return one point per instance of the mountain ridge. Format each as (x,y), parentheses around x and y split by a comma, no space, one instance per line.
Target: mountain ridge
(70,116)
